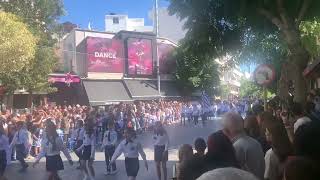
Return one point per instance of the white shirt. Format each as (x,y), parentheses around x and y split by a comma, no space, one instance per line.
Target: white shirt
(78,134)
(47,149)
(159,140)
(113,138)
(129,149)
(273,168)
(21,137)
(300,122)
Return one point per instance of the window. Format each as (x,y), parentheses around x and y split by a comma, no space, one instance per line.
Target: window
(115,20)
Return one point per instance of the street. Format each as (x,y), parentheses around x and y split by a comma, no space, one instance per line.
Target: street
(177,133)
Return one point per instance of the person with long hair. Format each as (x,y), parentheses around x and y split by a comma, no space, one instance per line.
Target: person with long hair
(161,144)
(131,148)
(50,148)
(281,146)
(87,150)
(4,151)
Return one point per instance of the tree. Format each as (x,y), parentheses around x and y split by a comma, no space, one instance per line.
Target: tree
(41,16)
(195,71)
(224,23)
(17,48)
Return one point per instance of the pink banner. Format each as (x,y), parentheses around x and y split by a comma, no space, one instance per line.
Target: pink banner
(65,78)
(105,55)
(166,62)
(140,56)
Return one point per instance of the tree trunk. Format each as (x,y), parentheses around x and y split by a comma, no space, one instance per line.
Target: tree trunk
(298,61)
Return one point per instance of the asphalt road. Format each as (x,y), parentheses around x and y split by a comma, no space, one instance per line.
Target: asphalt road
(178,135)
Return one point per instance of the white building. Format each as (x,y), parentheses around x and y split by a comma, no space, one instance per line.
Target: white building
(117,22)
(230,76)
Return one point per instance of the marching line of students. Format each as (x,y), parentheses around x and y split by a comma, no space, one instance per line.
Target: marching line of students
(84,136)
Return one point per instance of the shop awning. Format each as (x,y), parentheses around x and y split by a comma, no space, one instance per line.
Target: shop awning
(142,89)
(148,89)
(104,92)
(169,89)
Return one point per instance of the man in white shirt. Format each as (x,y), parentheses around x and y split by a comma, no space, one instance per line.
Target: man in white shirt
(249,152)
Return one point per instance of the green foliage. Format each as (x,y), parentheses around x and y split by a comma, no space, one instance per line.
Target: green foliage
(41,17)
(249,88)
(17,47)
(224,91)
(310,36)
(195,72)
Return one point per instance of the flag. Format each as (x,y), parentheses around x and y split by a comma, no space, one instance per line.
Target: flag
(89,26)
(206,102)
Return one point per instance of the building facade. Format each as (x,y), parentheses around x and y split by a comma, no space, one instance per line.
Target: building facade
(114,67)
(118,22)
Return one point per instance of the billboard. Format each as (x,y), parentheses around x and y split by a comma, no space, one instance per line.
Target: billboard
(167,63)
(105,55)
(140,56)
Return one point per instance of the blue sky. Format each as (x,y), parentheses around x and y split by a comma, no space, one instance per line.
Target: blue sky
(81,12)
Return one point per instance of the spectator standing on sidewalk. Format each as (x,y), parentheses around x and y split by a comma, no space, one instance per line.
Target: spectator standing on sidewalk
(248,151)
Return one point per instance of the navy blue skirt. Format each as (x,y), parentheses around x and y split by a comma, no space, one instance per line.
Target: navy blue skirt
(54,163)
(132,166)
(86,153)
(159,155)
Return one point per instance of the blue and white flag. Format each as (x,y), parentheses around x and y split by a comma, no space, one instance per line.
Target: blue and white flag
(206,102)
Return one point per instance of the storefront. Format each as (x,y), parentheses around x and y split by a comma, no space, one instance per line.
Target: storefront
(111,68)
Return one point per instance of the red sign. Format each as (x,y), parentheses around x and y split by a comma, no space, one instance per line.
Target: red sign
(140,56)
(264,74)
(104,55)
(166,62)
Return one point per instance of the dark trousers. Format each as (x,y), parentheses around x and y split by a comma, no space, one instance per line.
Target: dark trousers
(21,154)
(78,144)
(195,119)
(108,153)
(183,119)
(204,118)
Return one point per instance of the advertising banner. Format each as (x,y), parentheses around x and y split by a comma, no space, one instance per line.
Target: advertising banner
(140,57)
(166,62)
(105,55)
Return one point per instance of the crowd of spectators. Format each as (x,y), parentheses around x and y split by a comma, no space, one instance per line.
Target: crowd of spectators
(276,143)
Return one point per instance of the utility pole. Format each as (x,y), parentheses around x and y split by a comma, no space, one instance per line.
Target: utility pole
(156,29)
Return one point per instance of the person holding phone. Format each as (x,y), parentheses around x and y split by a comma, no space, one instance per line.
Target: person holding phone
(131,148)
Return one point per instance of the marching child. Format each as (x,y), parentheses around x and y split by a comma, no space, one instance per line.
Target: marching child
(50,148)
(87,150)
(21,141)
(78,136)
(109,145)
(131,148)
(4,150)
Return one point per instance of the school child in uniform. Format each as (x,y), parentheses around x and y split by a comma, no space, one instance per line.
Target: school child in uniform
(87,150)
(110,138)
(4,151)
(161,144)
(78,137)
(50,148)
(131,148)
(21,142)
